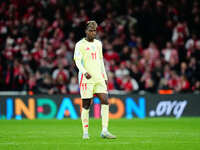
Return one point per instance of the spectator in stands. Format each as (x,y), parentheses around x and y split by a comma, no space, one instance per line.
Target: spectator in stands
(129,84)
(196,87)
(185,84)
(135,73)
(122,71)
(151,54)
(46,86)
(170,53)
(60,74)
(180,33)
(19,80)
(174,81)
(73,86)
(111,82)
(184,70)
(192,70)
(32,83)
(147,82)
(110,54)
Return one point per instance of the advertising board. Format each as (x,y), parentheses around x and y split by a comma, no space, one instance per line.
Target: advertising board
(127,106)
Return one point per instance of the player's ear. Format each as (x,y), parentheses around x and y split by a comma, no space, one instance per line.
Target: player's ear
(86,31)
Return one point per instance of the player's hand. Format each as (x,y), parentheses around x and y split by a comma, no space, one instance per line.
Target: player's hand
(106,82)
(87,75)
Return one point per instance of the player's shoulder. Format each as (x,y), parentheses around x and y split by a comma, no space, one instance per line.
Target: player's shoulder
(79,42)
(98,41)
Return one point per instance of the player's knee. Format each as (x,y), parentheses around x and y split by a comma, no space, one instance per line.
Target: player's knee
(104,101)
(86,103)
(86,106)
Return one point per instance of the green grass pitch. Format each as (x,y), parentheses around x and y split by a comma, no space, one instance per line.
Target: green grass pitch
(134,134)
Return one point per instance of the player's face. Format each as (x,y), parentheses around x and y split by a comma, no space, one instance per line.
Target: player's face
(91,33)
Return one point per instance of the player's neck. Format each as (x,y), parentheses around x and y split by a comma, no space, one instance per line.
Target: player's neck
(89,40)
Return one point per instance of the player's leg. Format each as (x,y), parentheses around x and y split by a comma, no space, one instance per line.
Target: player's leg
(101,93)
(104,110)
(86,91)
(85,117)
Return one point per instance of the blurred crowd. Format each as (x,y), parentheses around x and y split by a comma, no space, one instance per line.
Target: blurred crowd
(148,44)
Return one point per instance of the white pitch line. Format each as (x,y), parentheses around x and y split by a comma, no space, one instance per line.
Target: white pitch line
(99,143)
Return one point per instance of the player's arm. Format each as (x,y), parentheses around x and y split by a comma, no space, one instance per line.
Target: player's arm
(102,64)
(78,58)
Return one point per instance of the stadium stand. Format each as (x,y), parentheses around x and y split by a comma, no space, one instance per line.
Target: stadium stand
(149,45)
